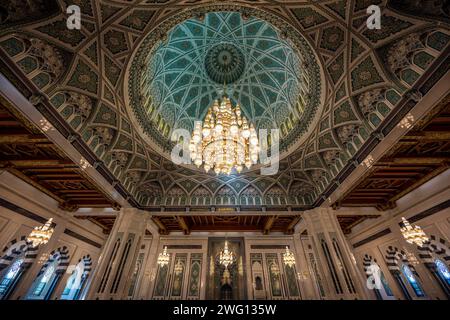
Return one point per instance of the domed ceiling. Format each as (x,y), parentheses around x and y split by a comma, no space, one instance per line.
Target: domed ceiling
(94,77)
(219,52)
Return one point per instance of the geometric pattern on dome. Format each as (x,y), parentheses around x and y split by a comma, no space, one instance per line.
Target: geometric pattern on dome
(224,63)
(187,72)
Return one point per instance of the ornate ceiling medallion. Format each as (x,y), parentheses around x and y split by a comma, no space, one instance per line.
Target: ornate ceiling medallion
(224,63)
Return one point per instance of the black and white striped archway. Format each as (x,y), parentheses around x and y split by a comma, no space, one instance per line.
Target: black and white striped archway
(62,256)
(436,248)
(16,248)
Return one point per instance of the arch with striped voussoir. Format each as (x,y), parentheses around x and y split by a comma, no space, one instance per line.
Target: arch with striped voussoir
(368,260)
(87,261)
(15,248)
(394,258)
(62,255)
(435,247)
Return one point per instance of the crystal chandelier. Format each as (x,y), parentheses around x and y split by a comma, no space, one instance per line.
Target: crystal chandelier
(163,258)
(226,141)
(42,234)
(288,258)
(413,235)
(226,257)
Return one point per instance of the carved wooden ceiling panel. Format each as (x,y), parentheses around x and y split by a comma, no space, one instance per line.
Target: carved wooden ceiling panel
(423,153)
(27,153)
(245,222)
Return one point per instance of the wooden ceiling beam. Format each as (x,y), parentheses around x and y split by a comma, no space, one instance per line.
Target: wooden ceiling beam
(414,160)
(63,179)
(429,136)
(35,184)
(61,176)
(68,191)
(290,227)
(419,182)
(161,227)
(22,138)
(183,225)
(33,163)
(268,225)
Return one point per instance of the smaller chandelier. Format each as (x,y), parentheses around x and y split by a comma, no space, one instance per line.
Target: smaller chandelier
(413,235)
(42,234)
(288,258)
(163,258)
(178,269)
(226,257)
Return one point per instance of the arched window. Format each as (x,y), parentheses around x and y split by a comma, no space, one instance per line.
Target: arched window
(442,271)
(44,284)
(75,283)
(412,281)
(10,277)
(386,287)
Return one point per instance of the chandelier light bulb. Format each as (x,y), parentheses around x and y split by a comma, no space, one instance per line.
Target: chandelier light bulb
(206,132)
(196,138)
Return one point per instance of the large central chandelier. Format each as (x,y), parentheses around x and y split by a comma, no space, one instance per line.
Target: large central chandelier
(42,234)
(226,141)
(288,258)
(413,235)
(226,257)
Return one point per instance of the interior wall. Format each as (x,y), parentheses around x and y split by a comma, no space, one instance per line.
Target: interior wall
(256,256)
(20,206)
(429,207)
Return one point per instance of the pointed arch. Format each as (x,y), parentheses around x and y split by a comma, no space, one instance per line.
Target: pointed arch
(435,247)
(50,274)
(398,264)
(16,247)
(176,196)
(301,192)
(275,195)
(152,192)
(201,196)
(62,256)
(225,195)
(77,280)
(250,196)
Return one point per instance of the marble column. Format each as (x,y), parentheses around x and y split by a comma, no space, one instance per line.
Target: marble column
(306,277)
(147,279)
(118,257)
(344,279)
